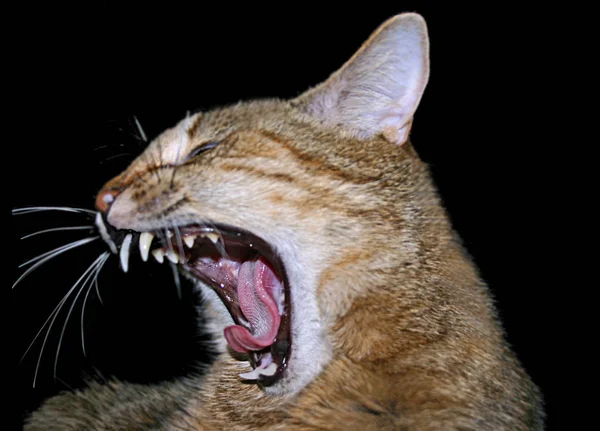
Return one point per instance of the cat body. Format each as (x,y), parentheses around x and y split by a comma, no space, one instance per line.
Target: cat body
(390,325)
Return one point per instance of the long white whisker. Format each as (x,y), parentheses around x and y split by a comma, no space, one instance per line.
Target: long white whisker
(46,259)
(51,318)
(220,244)
(176,161)
(27,210)
(56,309)
(160,163)
(139,126)
(105,256)
(176,278)
(96,286)
(108,145)
(90,273)
(114,157)
(174,267)
(179,241)
(65,384)
(48,253)
(56,229)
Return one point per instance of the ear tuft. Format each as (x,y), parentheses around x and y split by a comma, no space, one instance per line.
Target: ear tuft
(378,90)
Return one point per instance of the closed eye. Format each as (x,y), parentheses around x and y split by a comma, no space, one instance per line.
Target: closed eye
(202,148)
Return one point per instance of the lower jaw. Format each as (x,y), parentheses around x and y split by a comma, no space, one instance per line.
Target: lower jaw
(279,351)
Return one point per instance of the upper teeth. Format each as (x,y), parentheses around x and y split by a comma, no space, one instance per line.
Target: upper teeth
(124,254)
(189,240)
(212,236)
(159,255)
(172,256)
(145,241)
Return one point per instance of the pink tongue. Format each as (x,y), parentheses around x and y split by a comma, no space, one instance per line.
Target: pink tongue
(258,286)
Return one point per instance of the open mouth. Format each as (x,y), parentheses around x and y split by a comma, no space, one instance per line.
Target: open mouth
(244,271)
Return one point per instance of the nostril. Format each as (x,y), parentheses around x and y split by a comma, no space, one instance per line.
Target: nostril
(105,199)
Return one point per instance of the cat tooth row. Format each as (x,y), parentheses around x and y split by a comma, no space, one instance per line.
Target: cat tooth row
(145,242)
(174,257)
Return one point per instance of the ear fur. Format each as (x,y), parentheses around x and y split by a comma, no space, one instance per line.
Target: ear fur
(379,88)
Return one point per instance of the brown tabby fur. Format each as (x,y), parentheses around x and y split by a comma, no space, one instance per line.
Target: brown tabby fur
(415,342)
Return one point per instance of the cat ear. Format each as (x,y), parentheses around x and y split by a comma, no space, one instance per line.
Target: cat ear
(379,88)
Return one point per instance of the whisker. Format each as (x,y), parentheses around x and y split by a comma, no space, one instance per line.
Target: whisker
(97,288)
(108,145)
(160,161)
(62,302)
(41,262)
(176,279)
(92,267)
(51,318)
(220,245)
(64,383)
(58,249)
(221,248)
(95,274)
(56,309)
(172,183)
(114,157)
(27,210)
(174,267)
(56,229)
(139,126)
(90,271)
(179,241)
(180,144)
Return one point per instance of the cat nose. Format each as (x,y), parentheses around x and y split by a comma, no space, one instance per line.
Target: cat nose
(105,199)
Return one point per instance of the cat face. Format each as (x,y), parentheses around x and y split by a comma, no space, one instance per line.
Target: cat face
(284,212)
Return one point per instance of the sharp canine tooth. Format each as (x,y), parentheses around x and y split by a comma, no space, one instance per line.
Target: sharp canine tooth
(124,254)
(255,374)
(159,255)
(189,240)
(145,241)
(213,237)
(169,234)
(270,370)
(172,256)
(251,375)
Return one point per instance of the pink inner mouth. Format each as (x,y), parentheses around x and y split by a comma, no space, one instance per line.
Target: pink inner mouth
(250,279)
(259,293)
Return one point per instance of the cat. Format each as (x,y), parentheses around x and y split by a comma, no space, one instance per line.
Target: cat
(339,294)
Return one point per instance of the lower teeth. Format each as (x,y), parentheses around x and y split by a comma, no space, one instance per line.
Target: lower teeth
(257,372)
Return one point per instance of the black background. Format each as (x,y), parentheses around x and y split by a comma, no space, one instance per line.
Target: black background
(82,72)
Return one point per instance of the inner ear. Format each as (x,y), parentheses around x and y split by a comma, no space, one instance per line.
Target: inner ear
(378,90)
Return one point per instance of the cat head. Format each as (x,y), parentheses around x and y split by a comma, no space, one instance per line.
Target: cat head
(285,211)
